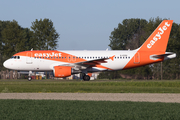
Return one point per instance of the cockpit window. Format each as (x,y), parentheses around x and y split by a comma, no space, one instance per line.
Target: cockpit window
(15,57)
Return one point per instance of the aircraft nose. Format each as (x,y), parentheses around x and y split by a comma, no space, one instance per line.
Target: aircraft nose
(6,64)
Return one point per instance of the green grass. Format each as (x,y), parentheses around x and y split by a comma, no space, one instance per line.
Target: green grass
(48,86)
(83,110)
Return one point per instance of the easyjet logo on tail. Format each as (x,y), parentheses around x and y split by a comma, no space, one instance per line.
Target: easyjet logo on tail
(158,35)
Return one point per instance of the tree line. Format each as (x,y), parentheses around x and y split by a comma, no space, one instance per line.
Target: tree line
(14,38)
(131,34)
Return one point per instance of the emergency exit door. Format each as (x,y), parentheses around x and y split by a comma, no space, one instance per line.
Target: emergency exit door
(29,58)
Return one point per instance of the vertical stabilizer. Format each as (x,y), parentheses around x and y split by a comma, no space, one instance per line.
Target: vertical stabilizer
(158,40)
(154,46)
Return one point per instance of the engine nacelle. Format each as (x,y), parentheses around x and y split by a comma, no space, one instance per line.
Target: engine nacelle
(62,71)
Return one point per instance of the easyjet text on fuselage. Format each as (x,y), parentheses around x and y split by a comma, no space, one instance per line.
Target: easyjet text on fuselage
(52,54)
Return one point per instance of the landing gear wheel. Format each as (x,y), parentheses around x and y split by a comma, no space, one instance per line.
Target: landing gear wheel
(29,78)
(86,78)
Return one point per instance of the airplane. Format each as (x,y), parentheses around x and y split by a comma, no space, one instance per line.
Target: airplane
(65,63)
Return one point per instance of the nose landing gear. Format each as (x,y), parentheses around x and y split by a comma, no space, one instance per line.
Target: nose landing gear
(29,76)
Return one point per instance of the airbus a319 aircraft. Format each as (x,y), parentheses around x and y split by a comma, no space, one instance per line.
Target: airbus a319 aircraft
(66,63)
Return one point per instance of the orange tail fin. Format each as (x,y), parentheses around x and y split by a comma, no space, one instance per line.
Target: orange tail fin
(158,40)
(154,48)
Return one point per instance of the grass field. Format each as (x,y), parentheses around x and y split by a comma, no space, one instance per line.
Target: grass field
(83,110)
(60,109)
(99,86)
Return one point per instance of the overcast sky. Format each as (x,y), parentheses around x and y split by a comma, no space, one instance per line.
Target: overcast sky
(86,24)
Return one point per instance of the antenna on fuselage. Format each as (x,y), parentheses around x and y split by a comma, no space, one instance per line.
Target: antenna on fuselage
(107,49)
(31,49)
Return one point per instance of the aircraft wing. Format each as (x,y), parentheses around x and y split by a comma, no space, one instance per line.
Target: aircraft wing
(93,63)
(89,63)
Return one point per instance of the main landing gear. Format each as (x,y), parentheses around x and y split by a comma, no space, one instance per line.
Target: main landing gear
(86,77)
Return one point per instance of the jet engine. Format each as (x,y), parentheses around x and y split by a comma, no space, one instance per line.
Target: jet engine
(62,71)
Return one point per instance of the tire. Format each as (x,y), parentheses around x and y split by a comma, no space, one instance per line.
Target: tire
(86,78)
(29,78)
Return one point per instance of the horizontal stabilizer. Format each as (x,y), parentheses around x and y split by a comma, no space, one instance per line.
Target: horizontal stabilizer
(167,55)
